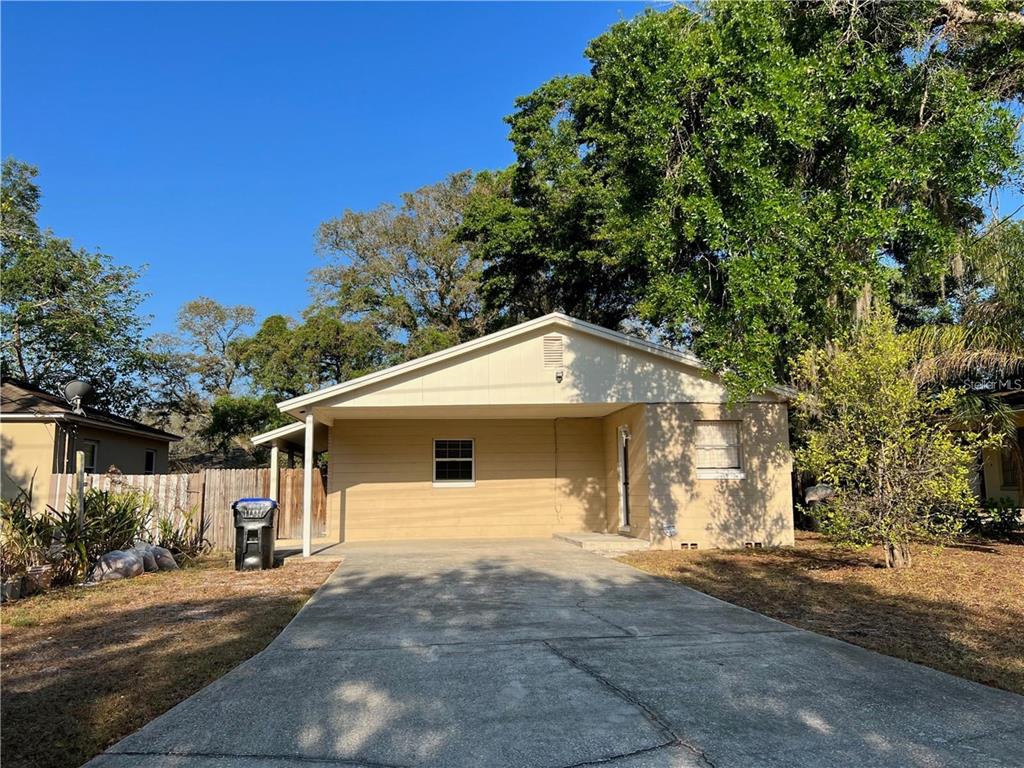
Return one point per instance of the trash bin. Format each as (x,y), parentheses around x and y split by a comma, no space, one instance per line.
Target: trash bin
(254,534)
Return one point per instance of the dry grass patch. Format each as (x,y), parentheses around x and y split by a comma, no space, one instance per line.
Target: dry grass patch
(959,609)
(84,667)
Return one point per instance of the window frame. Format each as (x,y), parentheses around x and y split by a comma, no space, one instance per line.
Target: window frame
(149,452)
(95,455)
(442,483)
(719,473)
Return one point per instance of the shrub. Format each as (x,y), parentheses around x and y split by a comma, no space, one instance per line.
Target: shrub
(24,538)
(186,540)
(113,520)
(900,468)
(994,517)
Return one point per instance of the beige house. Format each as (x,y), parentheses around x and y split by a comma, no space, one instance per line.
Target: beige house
(1001,475)
(40,434)
(552,426)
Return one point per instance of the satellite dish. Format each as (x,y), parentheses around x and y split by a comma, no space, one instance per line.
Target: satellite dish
(76,392)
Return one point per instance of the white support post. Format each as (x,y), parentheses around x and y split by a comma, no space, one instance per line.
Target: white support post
(307,489)
(275,473)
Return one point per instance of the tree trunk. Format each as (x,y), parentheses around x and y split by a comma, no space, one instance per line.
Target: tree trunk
(897,554)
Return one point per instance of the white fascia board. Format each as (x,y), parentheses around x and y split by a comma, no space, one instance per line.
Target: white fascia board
(285,431)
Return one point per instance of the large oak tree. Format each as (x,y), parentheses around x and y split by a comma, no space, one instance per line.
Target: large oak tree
(749,177)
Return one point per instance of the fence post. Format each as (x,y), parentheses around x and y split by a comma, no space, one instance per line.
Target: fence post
(80,477)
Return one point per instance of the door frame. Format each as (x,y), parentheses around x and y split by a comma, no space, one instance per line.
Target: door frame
(624,437)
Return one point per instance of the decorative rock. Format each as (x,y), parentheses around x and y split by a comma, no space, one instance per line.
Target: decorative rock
(117,565)
(164,559)
(145,551)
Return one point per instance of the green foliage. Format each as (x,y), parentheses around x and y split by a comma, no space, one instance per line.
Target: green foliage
(246,415)
(995,517)
(24,538)
(900,468)
(211,334)
(398,273)
(748,175)
(186,540)
(65,312)
(112,520)
(286,359)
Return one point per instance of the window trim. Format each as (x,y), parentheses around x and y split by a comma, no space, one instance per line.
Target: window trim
(452,483)
(721,473)
(149,452)
(95,455)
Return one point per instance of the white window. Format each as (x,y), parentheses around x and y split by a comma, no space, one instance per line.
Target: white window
(150,462)
(718,450)
(454,463)
(91,449)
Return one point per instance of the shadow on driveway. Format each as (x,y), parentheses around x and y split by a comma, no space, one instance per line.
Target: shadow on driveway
(487,654)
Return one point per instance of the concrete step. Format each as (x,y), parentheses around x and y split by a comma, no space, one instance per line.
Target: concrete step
(608,544)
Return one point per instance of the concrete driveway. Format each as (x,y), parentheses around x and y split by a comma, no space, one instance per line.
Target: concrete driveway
(539,654)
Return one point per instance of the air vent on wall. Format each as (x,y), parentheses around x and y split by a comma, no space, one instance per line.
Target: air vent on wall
(553,351)
(688,545)
(753,545)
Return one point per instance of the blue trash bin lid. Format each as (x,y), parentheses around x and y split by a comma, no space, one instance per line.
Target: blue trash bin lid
(255,503)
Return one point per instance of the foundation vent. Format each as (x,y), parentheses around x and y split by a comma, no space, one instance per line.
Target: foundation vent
(688,545)
(554,351)
(753,544)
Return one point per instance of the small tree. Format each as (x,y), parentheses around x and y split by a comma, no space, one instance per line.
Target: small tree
(900,467)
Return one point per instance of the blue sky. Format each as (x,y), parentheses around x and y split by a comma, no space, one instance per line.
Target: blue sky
(209,140)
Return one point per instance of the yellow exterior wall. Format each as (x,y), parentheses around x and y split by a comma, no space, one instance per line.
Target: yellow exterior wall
(720,513)
(28,449)
(635,418)
(534,477)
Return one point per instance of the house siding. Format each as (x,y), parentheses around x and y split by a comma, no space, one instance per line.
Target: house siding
(720,513)
(28,459)
(534,477)
(514,373)
(124,451)
(635,419)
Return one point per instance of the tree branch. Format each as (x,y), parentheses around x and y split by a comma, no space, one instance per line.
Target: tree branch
(957,11)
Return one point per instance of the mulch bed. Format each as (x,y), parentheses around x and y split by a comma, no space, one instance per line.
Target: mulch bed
(84,667)
(958,609)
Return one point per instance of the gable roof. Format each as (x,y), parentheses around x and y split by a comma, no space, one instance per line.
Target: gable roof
(20,401)
(553,321)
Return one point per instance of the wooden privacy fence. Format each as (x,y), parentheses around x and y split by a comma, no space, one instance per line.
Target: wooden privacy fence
(207,496)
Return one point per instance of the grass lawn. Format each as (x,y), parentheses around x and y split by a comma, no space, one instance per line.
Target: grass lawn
(84,667)
(959,609)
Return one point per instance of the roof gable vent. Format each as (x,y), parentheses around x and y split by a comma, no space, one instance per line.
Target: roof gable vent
(554,349)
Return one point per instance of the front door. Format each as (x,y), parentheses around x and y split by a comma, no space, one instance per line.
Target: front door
(624,477)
